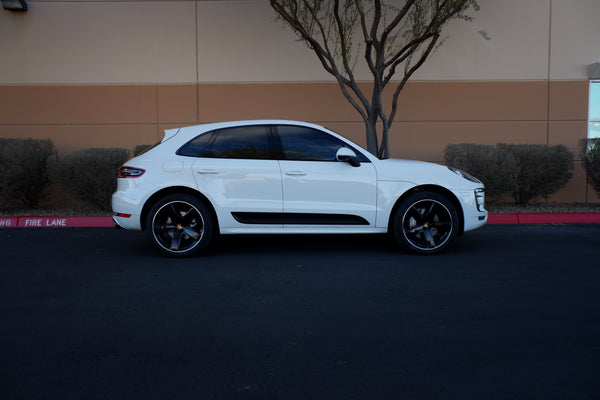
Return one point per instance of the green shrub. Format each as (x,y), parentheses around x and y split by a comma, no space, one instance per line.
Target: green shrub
(90,174)
(24,171)
(590,160)
(543,170)
(141,148)
(496,168)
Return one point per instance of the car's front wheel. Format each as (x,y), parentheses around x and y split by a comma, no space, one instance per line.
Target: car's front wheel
(425,223)
(180,225)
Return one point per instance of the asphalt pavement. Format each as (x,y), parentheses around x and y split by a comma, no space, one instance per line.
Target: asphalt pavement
(508,312)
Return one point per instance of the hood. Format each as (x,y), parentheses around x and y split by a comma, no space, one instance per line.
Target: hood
(419,173)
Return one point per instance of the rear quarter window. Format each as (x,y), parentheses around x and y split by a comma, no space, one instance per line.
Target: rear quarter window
(243,142)
(197,147)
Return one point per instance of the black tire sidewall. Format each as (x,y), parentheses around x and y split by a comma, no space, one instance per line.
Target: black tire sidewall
(409,202)
(209,226)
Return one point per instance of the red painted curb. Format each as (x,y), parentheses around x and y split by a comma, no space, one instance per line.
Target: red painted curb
(56,222)
(106,222)
(494,219)
(9,222)
(544,218)
(559,218)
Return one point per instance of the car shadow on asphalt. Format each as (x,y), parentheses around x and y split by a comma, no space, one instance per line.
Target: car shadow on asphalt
(379,244)
(295,243)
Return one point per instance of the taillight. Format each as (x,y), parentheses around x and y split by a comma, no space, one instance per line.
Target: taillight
(130,172)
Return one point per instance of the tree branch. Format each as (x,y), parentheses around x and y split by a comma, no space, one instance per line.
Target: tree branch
(399,17)
(328,26)
(408,74)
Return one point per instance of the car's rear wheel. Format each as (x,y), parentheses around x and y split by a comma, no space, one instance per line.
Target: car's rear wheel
(425,223)
(180,225)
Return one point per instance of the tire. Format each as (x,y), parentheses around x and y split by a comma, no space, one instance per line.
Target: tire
(180,225)
(425,223)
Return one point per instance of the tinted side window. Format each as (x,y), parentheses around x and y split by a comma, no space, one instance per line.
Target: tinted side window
(307,144)
(197,147)
(242,142)
(250,142)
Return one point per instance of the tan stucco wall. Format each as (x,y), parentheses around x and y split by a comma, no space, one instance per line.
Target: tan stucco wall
(125,42)
(432,114)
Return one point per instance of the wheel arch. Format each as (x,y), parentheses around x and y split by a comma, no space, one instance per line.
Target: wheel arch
(435,189)
(152,200)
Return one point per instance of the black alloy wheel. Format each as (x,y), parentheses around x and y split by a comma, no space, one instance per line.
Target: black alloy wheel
(180,225)
(425,223)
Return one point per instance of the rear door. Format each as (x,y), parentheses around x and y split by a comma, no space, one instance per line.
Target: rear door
(234,169)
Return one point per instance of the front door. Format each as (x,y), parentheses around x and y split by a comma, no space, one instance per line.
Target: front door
(317,189)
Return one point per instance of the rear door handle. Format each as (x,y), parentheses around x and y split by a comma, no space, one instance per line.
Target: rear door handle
(295,173)
(208,171)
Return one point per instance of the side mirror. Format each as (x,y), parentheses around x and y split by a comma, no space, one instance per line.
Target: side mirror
(344,154)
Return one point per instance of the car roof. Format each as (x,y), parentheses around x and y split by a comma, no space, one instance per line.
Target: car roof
(184,134)
(194,130)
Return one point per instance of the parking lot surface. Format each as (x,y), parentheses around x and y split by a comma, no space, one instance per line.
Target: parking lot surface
(509,312)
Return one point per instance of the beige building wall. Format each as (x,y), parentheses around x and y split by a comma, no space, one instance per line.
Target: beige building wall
(116,73)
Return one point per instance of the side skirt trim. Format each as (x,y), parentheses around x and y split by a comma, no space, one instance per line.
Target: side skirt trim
(298,219)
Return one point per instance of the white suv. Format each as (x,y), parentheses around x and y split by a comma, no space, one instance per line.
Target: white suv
(271,176)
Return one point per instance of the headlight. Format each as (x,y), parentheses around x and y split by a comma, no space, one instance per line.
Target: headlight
(464,175)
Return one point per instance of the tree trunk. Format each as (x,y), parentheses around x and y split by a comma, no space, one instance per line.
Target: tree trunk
(372,142)
(385,145)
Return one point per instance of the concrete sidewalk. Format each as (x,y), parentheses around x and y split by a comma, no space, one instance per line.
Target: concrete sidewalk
(106,222)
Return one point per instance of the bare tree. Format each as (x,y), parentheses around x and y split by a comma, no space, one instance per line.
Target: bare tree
(391,35)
